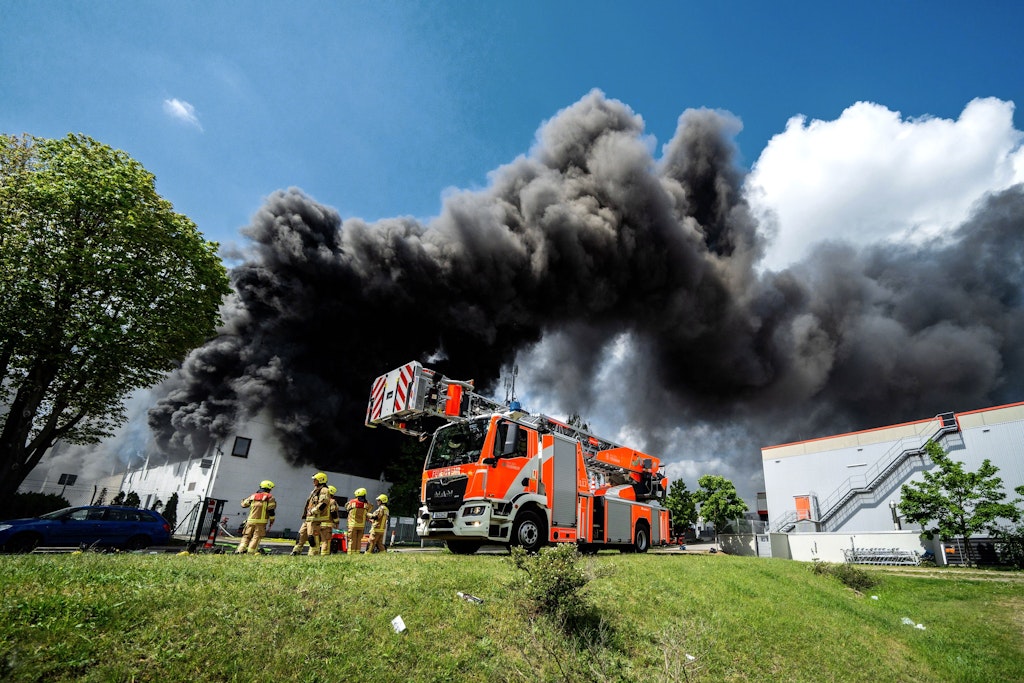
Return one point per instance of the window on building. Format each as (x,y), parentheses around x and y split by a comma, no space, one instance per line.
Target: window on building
(191,486)
(241,447)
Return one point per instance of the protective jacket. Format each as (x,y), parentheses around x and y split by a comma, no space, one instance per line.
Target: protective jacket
(380,519)
(261,507)
(357,510)
(318,505)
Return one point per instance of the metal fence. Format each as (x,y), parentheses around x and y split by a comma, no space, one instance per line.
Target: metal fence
(881,556)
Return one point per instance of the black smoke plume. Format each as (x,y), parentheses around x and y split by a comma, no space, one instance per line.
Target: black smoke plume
(590,249)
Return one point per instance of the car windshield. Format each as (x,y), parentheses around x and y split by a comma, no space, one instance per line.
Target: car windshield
(459,443)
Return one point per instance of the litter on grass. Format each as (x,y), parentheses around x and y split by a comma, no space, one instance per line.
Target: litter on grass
(910,622)
(398,624)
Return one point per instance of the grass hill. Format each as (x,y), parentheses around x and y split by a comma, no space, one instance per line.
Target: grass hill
(654,617)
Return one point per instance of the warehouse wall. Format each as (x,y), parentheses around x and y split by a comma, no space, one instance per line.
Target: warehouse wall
(822,466)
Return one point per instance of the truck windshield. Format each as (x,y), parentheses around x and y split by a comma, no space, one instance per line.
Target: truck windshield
(459,443)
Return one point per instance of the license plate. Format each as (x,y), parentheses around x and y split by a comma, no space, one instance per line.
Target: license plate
(439,515)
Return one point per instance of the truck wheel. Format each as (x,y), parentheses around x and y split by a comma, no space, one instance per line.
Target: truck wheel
(529,532)
(642,539)
(463,547)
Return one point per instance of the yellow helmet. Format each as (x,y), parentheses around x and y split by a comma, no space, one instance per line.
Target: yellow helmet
(266,484)
(383,498)
(320,478)
(333,489)
(360,492)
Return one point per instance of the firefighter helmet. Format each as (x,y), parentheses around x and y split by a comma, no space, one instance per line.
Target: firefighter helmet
(360,492)
(320,478)
(383,498)
(266,484)
(333,489)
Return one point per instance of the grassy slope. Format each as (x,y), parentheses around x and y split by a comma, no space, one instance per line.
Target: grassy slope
(213,617)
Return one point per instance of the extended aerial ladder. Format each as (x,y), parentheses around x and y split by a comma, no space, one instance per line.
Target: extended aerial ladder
(402,398)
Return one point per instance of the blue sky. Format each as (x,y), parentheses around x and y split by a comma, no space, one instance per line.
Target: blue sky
(377,108)
(864,122)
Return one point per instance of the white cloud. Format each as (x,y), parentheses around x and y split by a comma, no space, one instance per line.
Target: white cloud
(872,175)
(183,111)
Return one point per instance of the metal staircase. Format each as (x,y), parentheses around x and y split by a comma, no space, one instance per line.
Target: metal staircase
(890,463)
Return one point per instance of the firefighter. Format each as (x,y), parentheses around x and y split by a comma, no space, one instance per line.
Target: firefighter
(261,517)
(303,531)
(379,525)
(327,529)
(357,508)
(317,513)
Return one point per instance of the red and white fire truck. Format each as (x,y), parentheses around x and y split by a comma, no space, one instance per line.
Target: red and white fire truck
(495,474)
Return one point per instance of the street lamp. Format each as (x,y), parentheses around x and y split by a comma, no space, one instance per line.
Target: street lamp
(895,516)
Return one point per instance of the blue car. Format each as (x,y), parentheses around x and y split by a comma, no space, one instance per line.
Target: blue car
(93,525)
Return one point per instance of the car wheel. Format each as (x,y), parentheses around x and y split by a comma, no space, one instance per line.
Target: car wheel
(137,542)
(529,532)
(22,543)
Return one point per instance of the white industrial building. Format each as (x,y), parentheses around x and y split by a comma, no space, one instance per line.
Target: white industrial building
(229,471)
(829,491)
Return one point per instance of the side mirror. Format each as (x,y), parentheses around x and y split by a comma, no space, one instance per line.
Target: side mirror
(493,462)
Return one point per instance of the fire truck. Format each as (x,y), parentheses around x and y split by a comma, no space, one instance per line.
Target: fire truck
(495,474)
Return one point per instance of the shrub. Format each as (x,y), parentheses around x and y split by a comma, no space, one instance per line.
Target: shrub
(550,582)
(854,577)
(850,575)
(31,505)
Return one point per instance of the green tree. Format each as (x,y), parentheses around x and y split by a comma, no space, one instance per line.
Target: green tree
(405,472)
(118,499)
(132,500)
(955,503)
(719,503)
(103,289)
(101,497)
(680,503)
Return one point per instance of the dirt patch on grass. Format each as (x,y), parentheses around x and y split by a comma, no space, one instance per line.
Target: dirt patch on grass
(942,573)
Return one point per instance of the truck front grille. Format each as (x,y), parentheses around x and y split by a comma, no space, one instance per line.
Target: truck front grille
(446,494)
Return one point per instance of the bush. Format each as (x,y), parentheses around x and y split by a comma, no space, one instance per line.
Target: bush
(851,576)
(31,505)
(550,582)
